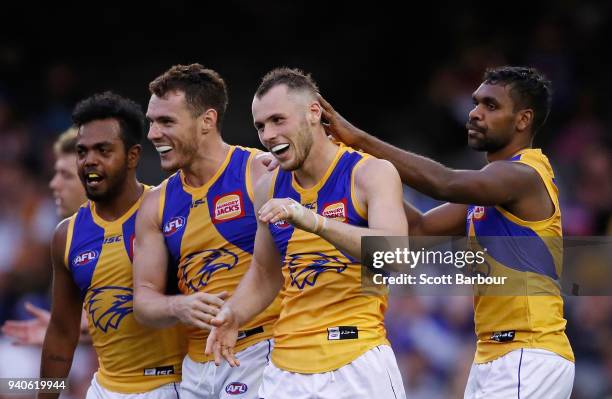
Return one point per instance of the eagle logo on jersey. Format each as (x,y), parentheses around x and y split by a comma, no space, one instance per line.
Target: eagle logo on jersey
(213,260)
(107,306)
(309,273)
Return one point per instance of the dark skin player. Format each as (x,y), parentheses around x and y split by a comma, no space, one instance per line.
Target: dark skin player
(498,125)
(107,170)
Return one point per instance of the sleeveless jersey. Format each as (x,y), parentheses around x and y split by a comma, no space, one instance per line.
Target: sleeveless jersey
(210,233)
(133,358)
(326,320)
(529,313)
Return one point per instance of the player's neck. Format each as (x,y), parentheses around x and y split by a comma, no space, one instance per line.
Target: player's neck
(508,151)
(117,206)
(317,162)
(206,163)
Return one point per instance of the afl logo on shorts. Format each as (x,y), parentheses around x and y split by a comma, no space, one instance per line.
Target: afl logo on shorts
(228,207)
(335,210)
(478,213)
(236,388)
(85,257)
(173,225)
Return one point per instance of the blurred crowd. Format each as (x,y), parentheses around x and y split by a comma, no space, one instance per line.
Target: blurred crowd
(432,336)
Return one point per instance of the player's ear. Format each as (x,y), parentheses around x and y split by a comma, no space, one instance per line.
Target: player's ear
(208,120)
(133,156)
(524,119)
(314,113)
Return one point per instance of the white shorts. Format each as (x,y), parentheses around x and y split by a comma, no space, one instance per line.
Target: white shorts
(522,374)
(205,380)
(372,375)
(168,391)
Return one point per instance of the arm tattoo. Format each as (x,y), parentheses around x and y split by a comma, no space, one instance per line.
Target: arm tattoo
(58,358)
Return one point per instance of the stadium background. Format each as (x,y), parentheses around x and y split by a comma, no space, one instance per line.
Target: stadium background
(406,76)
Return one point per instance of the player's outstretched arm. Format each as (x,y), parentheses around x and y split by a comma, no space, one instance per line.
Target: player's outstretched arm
(380,189)
(63,333)
(151,305)
(496,184)
(256,291)
(444,220)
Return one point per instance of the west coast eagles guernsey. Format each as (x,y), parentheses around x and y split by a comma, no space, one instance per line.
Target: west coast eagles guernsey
(210,233)
(133,358)
(326,321)
(528,314)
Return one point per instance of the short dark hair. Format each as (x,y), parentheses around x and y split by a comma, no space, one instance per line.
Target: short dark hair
(293,78)
(203,88)
(65,144)
(110,105)
(529,88)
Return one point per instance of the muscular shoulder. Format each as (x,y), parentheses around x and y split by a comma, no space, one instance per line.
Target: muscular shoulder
(517,174)
(149,208)
(374,172)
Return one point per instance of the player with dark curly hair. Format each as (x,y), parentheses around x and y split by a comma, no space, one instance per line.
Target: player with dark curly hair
(92,255)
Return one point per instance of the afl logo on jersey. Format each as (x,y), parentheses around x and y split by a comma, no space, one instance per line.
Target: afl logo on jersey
(173,225)
(85,257)
(228,207)
(335,210)
(281,224)
(478,213)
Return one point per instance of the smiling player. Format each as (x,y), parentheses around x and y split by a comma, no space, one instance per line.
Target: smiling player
(202,220)
(330,339)
(92,264)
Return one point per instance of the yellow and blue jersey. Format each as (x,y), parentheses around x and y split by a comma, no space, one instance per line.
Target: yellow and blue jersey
(326,320)
(210,234)
(99,255)
(529,313)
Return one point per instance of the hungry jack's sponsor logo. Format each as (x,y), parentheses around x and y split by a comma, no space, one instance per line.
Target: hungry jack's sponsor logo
(228,207)
(335,210)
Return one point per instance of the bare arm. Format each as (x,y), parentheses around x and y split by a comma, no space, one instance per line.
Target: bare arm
(64,326)
(378,184)
(499,183)
(151,305)
(257,289)
(445,220)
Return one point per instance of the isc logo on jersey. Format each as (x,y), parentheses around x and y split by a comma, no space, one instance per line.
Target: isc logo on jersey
(335,210)
(228,207)
(85,257)
(173,225)
(236,388)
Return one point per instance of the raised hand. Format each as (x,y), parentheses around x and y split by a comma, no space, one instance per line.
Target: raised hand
(28,332)
(292,212)
(338,127)
(268,160)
